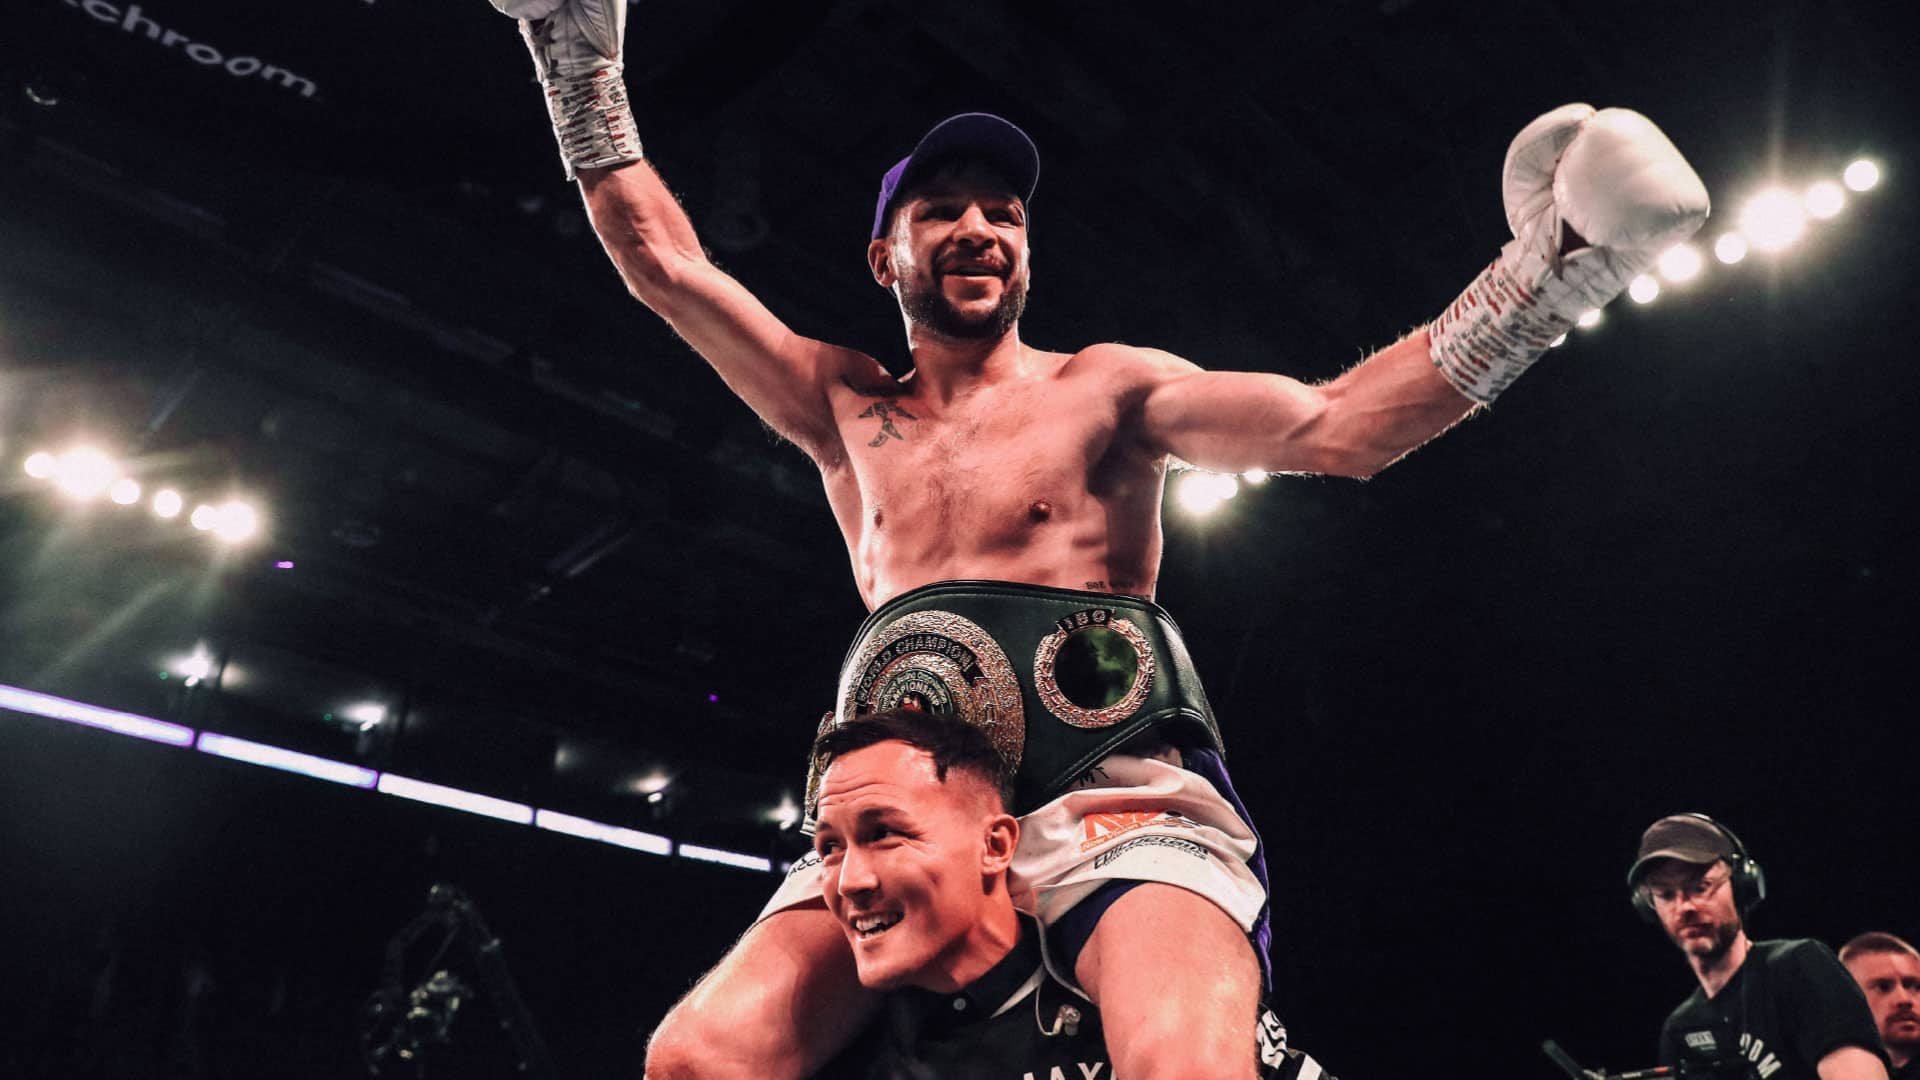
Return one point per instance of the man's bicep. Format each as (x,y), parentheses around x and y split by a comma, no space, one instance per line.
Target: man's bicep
(1231,421)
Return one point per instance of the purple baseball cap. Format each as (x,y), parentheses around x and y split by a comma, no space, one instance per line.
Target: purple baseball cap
(981,137)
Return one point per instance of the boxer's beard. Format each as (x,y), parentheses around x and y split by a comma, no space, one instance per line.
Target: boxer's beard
(1723,935)
(929,307)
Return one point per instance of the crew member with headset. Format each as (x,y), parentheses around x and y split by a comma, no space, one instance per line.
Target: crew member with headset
(1764,1010)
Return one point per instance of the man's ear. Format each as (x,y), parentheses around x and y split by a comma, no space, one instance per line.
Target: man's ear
(1003,837)
(880,261)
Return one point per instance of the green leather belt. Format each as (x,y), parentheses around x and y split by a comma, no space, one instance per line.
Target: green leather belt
(1058,678)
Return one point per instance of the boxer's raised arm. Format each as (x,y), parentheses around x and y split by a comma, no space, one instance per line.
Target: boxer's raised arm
(781,375)
(1592,199)
(576,48)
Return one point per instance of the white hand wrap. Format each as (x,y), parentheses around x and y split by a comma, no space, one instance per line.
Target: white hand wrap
(576,54)
(1614,179)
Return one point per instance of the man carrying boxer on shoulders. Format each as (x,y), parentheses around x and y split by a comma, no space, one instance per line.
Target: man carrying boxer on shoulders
(1000,506)
(915,841)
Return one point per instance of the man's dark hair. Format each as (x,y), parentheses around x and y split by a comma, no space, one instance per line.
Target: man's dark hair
(1875,941)
(951,742)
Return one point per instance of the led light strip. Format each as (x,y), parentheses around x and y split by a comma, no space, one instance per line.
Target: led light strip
(34,703)
(74,712)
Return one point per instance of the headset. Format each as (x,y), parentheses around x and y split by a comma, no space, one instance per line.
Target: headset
(1749,880)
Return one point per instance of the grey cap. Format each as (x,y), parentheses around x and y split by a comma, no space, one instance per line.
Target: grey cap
(1690,838)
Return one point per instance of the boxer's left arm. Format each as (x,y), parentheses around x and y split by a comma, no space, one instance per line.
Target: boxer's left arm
(1591,197)
(1353,425)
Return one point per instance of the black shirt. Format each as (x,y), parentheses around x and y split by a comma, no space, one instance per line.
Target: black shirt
(1789,1005)
(1013,1023)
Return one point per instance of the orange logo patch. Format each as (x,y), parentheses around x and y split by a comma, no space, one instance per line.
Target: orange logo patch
(1101,828)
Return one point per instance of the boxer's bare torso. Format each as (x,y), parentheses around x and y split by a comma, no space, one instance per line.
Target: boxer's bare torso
(1034,476)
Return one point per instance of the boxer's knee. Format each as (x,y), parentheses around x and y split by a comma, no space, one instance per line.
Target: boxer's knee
(1177,984)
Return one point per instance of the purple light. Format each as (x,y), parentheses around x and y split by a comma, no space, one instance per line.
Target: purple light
(283,564)
(75,712)
(713,699)
(274,757)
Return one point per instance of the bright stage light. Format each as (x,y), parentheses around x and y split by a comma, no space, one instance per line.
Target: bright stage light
(1862,175)
(1201,493)
(726,858)
(1681,263)
(1254,477)
(195,667)
(1557,342)
(456,799)
(1730,248)
(1645,289)
(167,503)
(786,815)
(367,714)
(1824,200)
(204,517)
(1588,319)
(41,464)
(83,472)
(274,757)
(234,522)
(125,491)
(1773,220)
(585,829)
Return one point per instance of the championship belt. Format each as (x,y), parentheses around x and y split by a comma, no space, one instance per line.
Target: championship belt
(1057,678)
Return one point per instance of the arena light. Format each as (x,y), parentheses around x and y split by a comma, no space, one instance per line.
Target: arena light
(1645,289)
(726,858)
(274,757)
(1201,493)
(1680,263)
(455,799)
(366,714)
(235,522)
(1254,477)
(1588,319)
(654,782)
(40,464)
(1861,175)
(74,712)
(204,517)
(632,839)
(167,503)
(1824,200)
(786,815)
(194,666)
(84,472)
(1557,342)
(1773,220)
(1730,248)
(125,491)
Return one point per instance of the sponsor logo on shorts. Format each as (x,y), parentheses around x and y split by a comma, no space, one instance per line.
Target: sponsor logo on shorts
(1186,846)
(1273,1039)
(1101,828)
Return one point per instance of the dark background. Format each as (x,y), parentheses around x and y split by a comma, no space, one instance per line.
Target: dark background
(1673,569)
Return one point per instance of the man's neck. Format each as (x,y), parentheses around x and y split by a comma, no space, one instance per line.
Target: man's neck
(1714,969)
(988,943)
(946,367)
(1900,1057)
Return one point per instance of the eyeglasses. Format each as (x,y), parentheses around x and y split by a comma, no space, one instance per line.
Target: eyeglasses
(1697,890)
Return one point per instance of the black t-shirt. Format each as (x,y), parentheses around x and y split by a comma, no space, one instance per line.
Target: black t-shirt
(1013,1023)
(1789,1005)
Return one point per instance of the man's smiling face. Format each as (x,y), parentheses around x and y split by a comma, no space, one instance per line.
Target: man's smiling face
(907,858)
(956,254)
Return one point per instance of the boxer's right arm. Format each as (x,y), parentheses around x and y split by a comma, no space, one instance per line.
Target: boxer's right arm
(576,48)
(781,375)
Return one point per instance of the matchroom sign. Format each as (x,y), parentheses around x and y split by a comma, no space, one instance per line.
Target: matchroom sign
(144,25)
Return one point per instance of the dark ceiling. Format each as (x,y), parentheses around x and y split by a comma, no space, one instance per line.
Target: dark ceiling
(1672,569)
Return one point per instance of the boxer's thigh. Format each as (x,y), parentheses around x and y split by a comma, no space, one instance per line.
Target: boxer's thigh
(780,1004)
(1177,984)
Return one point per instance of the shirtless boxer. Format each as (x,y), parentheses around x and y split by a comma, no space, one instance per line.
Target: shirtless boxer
(1040,473)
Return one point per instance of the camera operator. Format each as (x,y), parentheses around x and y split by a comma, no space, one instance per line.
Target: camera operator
(1764,1010)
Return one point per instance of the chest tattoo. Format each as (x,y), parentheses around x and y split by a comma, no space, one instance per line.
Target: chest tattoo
(885,411)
